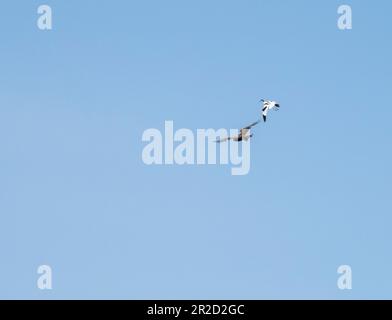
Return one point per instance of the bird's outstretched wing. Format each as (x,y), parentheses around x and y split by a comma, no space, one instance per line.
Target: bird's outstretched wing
(245,131)
(252,125)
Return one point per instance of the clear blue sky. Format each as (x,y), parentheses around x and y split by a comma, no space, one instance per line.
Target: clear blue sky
(75,194)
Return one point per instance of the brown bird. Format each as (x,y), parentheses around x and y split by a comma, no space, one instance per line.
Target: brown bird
(244,134)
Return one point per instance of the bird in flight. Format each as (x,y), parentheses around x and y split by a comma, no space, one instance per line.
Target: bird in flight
(244,134)
(268,105)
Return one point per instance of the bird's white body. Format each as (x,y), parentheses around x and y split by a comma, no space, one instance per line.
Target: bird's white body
(268,105)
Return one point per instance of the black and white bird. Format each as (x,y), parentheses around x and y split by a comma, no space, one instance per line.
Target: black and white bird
(268,105)
(243,135)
